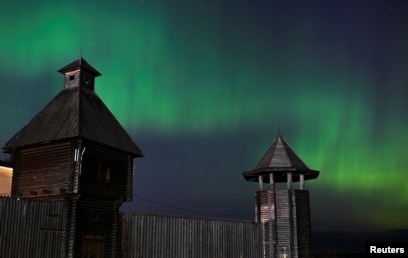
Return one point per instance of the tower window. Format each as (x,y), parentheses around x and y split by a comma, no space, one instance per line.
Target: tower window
(283,251)
(71,77)
(95,217)
(104,171)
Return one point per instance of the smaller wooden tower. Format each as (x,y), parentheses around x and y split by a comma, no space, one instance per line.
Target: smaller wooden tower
(284,213)
(74,150)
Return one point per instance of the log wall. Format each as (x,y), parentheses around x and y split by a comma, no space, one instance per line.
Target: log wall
(42,170)
(285,219)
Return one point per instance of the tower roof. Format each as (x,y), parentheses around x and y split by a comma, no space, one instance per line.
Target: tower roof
(76,112)
(279,160)
(79,64)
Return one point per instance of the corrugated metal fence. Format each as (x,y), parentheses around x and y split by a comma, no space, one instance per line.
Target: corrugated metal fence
(31,228)
(156,236)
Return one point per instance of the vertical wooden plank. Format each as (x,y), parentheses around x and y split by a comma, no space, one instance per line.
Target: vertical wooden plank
(169,236)
(27,231)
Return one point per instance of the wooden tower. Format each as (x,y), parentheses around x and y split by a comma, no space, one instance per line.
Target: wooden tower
(284,214)
(74,150)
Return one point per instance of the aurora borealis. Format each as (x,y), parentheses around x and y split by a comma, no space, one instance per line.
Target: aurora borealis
(204,86)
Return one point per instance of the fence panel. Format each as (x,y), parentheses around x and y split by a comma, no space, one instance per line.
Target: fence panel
(31,228)
(158,236)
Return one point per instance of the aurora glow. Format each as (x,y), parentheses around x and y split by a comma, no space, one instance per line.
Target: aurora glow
(203,87)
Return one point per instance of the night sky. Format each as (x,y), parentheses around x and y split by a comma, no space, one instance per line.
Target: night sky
(204,86)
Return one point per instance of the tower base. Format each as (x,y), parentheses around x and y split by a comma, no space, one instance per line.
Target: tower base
(285,217)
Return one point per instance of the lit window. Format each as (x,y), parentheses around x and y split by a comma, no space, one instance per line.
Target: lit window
(283,251)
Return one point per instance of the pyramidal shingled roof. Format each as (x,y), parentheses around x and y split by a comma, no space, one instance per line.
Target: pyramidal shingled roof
(76,112)
(280,159)
(80,63)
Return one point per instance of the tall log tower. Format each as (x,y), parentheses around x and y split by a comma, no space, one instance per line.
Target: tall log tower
(284,213)
(74,150)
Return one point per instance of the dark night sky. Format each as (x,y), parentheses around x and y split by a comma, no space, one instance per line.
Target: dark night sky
(203,86)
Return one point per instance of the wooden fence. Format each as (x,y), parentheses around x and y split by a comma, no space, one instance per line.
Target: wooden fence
(157,236)
(31,228)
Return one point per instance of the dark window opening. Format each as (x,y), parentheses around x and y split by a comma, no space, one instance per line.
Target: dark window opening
(72,77)
(95,217)
(104,172)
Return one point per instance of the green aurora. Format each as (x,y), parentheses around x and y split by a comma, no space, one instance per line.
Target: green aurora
(334,85)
